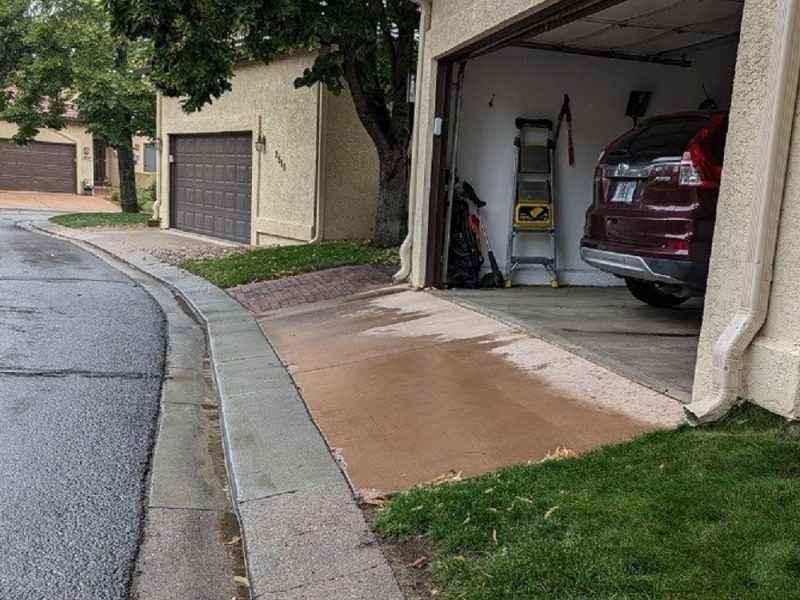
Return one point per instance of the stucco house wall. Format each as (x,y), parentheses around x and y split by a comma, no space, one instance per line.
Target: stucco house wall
(771,376)
(318,157)
(143,178)
(73,134)
(351,165)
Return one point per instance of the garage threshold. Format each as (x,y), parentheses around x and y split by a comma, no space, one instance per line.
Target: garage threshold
(654,347)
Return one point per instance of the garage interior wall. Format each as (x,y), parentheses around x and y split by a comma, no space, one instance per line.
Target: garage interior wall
(72,134)
(531,83)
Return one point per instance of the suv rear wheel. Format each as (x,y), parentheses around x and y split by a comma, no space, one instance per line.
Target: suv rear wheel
(650,293)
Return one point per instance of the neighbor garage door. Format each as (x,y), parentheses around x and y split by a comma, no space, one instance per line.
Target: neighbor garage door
(211,184)
(37,167)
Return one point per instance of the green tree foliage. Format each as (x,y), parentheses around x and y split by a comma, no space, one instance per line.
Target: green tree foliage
(65,54)
(367,46)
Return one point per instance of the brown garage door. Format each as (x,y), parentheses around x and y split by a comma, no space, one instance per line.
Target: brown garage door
(211,184)
(37,167)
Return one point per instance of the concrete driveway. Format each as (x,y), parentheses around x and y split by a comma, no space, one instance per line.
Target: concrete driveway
(54,202)
(406,386)
(653,346)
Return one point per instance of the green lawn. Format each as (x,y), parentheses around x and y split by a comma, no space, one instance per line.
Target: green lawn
(77,220)
(271,263)
(706,513)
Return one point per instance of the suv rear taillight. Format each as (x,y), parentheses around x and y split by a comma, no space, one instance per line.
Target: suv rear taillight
(698,167)
(689,174)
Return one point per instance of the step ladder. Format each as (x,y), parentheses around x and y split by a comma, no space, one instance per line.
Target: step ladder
(532,210)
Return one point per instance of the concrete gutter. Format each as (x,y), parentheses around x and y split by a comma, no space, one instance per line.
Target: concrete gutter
(304,535)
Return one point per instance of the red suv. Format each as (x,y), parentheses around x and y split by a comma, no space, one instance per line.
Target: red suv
(655,200)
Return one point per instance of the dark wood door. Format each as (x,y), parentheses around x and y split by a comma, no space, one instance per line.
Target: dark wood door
(100,162)
(38,167)
(212,183)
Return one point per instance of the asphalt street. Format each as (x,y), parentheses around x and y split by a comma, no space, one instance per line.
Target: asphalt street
(81,363)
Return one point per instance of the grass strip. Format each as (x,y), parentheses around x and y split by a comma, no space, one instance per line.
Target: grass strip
(78,220)
(263,264)
(712,512)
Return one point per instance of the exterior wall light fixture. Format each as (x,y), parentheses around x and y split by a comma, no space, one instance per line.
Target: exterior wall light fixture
(158,144)
(260,143)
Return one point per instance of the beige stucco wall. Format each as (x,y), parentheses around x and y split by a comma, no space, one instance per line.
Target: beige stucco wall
(71,134)
(142,179)
(262,98)
(317,153)
(351,172)
(772,364)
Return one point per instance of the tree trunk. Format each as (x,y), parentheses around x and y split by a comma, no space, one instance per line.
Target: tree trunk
(391,215)
(127,180)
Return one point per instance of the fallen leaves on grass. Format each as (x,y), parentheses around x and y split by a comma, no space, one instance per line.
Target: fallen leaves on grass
(420,563)
(559,454)
(371,497)
(449,477)
(551,510)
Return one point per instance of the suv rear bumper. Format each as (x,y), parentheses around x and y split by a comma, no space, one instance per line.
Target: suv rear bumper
(671,272)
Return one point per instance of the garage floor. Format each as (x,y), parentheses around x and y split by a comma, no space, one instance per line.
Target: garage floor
(407,386)
(655,347)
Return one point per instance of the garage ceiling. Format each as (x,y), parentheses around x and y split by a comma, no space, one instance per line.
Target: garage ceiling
(663,31)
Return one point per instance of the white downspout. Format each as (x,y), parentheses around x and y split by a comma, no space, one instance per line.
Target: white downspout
(405,248)
(159,154)
(782,81)
(319,183)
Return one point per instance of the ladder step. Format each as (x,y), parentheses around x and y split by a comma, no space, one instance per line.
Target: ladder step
(533,260)
(533,230)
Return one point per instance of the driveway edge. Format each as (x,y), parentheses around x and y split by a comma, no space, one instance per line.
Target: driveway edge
(304,535)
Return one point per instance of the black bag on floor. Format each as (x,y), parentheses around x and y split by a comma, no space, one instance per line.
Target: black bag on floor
(464,259)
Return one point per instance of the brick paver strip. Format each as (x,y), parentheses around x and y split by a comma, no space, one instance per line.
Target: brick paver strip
(296,290)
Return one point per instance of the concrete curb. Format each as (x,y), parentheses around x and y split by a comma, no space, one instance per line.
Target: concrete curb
(304,534)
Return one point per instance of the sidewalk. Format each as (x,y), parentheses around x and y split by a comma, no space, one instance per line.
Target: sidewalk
(304,535)
(41,201)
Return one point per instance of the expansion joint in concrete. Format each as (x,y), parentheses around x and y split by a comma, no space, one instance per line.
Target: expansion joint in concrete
(315,582)
(191,508)
(268,497)
(20,372)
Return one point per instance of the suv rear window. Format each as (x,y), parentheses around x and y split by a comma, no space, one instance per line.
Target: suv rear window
(657,138)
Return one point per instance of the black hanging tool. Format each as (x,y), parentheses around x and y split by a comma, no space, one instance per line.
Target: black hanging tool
(565,114)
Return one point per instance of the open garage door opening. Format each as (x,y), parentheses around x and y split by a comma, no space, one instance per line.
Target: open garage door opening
(624,198)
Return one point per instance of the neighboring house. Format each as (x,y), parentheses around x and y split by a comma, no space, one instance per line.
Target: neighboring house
(145,156)
(56,161)
(267,163)
(62,161)
(521,56)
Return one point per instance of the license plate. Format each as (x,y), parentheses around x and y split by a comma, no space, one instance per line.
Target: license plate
(624,191)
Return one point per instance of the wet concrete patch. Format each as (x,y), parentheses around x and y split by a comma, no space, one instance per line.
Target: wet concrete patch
(407,386)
